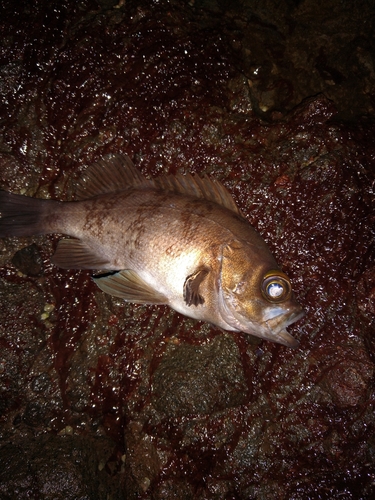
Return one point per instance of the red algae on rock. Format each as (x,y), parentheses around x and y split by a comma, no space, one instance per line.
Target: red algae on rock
(108,400)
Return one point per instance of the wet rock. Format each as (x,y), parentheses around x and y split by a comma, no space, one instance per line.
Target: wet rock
(142,457)
(349,384)
(293,50)
(34,414)
(53,467)
(366,293)
(193,380)
(347,379)
(20,340)
(28,261)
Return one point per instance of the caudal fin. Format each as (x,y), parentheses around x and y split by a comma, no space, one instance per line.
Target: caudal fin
(21,215)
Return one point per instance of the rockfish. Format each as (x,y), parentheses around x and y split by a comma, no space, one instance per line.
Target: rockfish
(177,240)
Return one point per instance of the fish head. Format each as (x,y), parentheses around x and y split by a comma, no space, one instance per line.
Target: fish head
(255,296)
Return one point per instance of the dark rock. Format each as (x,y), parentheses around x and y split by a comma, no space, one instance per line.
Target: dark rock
(55,467)
(192,380)
(28,261)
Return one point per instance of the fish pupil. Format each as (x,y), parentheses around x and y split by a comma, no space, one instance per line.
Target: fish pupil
(275,290)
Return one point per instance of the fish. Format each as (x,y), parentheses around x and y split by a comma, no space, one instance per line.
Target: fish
(177,239)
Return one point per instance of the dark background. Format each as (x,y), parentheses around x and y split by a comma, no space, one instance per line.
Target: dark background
(105,400)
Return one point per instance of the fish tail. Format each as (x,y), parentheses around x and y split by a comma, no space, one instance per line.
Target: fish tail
(22,215)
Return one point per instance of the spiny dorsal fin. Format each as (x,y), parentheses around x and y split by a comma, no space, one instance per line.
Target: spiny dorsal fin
(117,172)
(193,185)
(110,174)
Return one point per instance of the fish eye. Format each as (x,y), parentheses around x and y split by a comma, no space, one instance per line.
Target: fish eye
(276,286)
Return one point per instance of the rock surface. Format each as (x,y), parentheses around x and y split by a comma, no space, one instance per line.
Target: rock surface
(105,400)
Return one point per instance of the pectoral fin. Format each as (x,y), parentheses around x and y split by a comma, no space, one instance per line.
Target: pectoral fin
(191,287)
(128,285)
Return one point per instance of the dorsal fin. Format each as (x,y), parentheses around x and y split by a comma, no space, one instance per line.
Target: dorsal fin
(110,174)
(193,185)
(117,172)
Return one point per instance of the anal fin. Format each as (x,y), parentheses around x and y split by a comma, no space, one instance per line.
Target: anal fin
(128,285)
(75,254)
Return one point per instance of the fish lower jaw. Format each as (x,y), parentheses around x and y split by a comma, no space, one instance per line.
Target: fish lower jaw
(273,329)
(284,337)
(276,327)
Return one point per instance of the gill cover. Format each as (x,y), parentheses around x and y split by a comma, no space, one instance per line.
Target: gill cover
(239,291)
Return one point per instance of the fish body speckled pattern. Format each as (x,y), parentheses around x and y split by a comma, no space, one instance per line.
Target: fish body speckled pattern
(177,240)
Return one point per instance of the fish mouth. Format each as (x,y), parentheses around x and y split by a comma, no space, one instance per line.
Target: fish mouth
(277,325)
(272,322)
